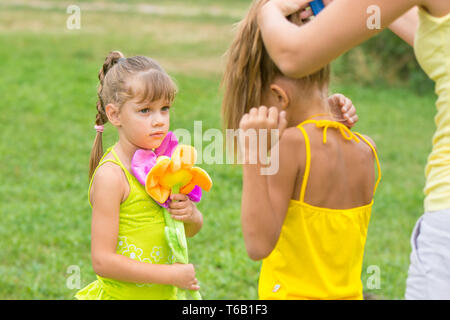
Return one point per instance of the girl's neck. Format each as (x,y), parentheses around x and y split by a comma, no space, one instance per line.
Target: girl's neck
(125,151)
(314,106)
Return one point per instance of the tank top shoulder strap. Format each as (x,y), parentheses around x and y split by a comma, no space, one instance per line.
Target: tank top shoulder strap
(116,161)
(376,158)
(346,133)
(307,163)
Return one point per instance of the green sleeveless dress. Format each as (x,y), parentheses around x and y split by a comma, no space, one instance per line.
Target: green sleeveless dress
(141,237)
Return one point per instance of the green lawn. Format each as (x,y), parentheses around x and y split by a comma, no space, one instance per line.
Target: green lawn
(48,92)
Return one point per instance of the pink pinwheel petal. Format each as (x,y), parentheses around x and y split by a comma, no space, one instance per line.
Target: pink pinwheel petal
(141,163)
(168,145)
(196,194)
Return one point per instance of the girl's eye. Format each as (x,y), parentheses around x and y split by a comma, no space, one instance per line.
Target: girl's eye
(146,110)
(166,108)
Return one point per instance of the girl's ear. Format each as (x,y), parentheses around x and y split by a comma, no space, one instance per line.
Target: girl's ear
(280,96)
(113,114)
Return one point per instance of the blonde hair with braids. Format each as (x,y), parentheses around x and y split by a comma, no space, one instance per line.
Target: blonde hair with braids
(122,79)
(250,70)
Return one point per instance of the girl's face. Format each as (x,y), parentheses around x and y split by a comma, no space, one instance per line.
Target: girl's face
(145,125)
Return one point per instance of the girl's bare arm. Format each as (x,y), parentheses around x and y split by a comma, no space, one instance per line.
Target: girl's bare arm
(265,199)
(302,50)
(108,191)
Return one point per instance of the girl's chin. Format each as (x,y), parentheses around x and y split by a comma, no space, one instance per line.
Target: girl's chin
(152,145)
(151,142)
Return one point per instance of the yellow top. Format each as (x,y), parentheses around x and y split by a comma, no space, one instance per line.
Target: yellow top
(432,47)
(320,251)
(141,237)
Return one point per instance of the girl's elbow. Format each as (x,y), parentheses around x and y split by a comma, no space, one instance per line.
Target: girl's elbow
(290,62)
(98,264)
(290,68)
(98,268)
(259,252)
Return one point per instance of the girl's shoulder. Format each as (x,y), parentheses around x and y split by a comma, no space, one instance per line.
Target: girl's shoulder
(292,136)
(110,179)
(369,139)
(292,146)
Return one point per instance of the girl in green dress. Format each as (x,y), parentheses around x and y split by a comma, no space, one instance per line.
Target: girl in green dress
(130,254)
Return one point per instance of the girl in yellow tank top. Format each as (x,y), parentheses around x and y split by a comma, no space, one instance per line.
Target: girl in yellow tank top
(312,246)
(320,251)
(129,250)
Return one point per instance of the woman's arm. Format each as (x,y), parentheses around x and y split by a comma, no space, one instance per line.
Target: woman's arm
(302,50)
(265,199)
(108,190)
(406,26)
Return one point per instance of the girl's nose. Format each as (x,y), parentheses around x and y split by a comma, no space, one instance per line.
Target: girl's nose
(157,120)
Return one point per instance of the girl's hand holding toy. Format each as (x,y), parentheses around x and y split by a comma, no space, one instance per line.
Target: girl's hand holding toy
(183,209)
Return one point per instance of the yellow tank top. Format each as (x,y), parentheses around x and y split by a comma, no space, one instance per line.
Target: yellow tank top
(141,237)
(320,251)
(432,47)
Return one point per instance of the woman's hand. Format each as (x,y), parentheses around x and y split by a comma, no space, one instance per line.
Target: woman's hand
(288,7)
(343,110)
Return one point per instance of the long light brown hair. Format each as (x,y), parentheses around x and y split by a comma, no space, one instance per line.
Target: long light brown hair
(250,70)
(121,79)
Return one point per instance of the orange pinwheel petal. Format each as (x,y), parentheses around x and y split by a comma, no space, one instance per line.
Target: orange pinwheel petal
(151,181)
(201,178)
(158,170)
(178,170)
(187,188)
(162,163)
(158,193)
(183,157)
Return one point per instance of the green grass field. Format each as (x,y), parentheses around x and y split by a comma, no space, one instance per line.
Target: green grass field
(48,94)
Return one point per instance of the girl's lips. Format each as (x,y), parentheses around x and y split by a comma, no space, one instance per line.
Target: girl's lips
(157,134)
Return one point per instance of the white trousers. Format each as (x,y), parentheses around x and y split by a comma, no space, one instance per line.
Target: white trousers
(429,269)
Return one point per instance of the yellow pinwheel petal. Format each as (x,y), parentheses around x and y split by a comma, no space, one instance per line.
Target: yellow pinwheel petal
(181,177)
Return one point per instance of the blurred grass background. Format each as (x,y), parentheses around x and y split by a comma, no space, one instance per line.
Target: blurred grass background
(48,94)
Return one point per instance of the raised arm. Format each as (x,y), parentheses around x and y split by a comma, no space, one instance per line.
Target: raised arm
(406,26)
(265,199)
(302,50)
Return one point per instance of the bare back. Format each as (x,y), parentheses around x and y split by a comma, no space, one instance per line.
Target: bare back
(341,174)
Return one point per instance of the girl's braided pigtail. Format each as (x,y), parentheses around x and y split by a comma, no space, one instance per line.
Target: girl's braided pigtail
(101,117)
